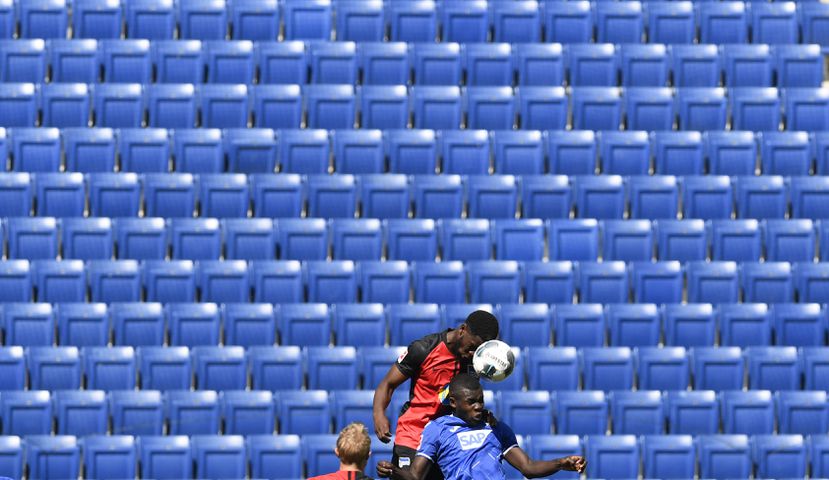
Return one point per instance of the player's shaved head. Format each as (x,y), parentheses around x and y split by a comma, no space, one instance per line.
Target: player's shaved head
(463,381)
(482,324)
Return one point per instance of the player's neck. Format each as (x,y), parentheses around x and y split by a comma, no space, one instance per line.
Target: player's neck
(349,467)
(451,339)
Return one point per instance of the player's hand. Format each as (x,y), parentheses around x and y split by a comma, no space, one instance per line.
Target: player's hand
(573,463)
(490,419)
(382,428)
(384,469)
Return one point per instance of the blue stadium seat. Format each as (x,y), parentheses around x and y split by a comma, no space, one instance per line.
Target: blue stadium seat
(411,239)
(202,20)
(409,322)
(223,195)
(592,65)
(276,106)
(32,238)
(19,105)
(518,239)
(356,239)
(581,412)
(789,240)
(717,368)
(596,108)
(13,368)
(644,65)
(693,412)
(220,368)
(15,193)
(360,151)
(572,152)
(689,325)
(304,324)
(531,412)
(436,64)
(488,64)
(109,456)
(277,281)
(24,60)
(223,106)
(137,324)
(779,455)
(724,456)
(810,283)
(736,240)
(580,325)
(412,21)
(554,446)
(769,282)
(492,196)
(755,109)
(87,238)
(36,150)
(358,22)
(282,62)
(443,282)
(141,238)
(556,368)
(649,108)
(359,324)
(545,196)
(678,153)
(60,281)
(256,20)
(11,452)
(723,23)
(374,363)
(26,412)
(568,22)
(351,406)
(731,153)
(607,368)
(516,22)
(542,108)
(16,281)
(664,368)
(548,282)
(307,20)
(707,197)
(193,324)
(65,105)
(798,65)
(785,153)
(382,106)
(605,282)
(192,413)
(619,23)
(775,24)
(229,62)
(806,110)
(701,108)
(805,413)
(653,197)
(303,151)
(637,413)
(53,456)
(274,455)
(118,105)
(412,151)
(333,368)
(81,413)
(668,456)
(438,107)
(525,325)
(83,324)
(330,106)
(628,240)
(303,412)
(146,151)
(223,281)
(248,324)
(382,63)
(491,108)
(332,196)
(250,150)
(494,281)
(195,239)
(817,452)
(109,368)
(126,61)
(695,65)
(331,282)
(89,150)
(671,22)
(7,27)
(52,368)
(454,314)
(747,412)
(773,368)
(384,196)
(659,282)
(170,281)
(74,61)
(633,325)
(465,152)
(334,62)
(539,64)
(744,325)
(465,23)
(60,194)
(180,61)
(600,197)
(747,65)
(171,105)
(384,282)
(437,196)
(275,368)
(248,413)
(518,152)
(317,451)
(170,195)
(165,456)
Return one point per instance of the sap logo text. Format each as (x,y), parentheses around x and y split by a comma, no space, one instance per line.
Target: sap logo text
(473,439)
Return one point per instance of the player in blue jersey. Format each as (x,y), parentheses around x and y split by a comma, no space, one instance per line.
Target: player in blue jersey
(466,447)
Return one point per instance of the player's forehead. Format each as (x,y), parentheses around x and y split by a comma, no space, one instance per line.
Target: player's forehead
(471,394)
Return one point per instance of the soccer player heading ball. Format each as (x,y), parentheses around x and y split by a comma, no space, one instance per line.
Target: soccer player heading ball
(466,447)
(431,362)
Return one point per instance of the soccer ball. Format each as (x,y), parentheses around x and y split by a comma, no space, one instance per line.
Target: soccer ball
(493,360)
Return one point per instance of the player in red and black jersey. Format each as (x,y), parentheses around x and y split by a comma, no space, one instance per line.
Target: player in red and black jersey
(431,362)
(353,449)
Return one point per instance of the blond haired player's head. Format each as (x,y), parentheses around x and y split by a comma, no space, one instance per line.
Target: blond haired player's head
(353,446)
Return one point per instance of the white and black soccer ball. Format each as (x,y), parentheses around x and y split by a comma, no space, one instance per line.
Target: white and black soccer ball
(493,360)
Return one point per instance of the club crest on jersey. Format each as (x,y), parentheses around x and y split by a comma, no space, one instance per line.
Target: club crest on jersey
(404,462)
(472,439)
(402,356)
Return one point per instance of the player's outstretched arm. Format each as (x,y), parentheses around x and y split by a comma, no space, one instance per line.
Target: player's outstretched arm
(382,397)
(418,470)
(530,468)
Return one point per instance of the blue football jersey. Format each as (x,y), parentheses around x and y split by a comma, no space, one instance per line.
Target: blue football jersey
(464,452)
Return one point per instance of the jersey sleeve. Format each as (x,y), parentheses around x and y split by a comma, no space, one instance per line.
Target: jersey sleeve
(506,436)
(429,442)
(409,363)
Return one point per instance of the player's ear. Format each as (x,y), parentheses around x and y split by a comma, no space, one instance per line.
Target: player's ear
(452,402)
(337,452)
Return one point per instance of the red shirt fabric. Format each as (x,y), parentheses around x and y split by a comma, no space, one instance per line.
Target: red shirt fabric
(342,475)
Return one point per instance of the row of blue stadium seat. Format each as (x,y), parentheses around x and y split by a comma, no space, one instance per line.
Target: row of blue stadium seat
(526,21)
(372,64)
(285,368)
(292,456)
(184,106)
